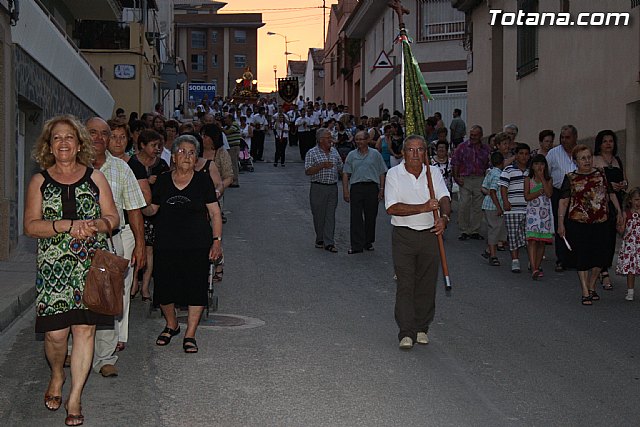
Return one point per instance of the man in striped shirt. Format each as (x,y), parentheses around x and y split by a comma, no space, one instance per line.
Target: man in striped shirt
(561,163)
(515,206)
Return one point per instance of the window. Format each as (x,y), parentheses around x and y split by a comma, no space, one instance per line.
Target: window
(240,36)
(214,36)
(440,89)
(198,39)
(527,41)
(240,61)
(214,60)
(197,63)
(439,21)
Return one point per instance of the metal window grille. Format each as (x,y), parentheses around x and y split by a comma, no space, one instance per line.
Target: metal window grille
(438,20)
(214,37)
(527,54)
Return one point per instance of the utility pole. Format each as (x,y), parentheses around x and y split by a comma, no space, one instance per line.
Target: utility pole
(324,23)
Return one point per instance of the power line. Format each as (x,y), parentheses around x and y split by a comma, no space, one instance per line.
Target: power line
(262,10)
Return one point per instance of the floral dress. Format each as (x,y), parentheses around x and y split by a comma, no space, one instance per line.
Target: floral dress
(63,261)
(629,256)
(539,226)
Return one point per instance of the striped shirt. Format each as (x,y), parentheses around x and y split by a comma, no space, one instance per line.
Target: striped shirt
(513,178)
(233,134)
(560,164)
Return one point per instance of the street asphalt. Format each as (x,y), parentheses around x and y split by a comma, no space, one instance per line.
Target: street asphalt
(320,345)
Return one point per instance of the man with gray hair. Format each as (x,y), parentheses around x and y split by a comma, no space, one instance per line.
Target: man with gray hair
(323,164)
(561,163)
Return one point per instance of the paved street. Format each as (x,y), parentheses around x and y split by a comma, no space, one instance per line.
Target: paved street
(320,345)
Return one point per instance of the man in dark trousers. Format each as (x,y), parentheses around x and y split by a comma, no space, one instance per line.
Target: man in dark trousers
(414,242)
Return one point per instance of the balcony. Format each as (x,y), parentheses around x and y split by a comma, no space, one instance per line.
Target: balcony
(60,56)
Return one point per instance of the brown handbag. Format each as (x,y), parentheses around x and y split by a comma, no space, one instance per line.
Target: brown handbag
(104,284)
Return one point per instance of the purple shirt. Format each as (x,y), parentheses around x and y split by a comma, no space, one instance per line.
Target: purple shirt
(471,160)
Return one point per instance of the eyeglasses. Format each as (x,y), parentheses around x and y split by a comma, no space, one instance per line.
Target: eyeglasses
(415,150)
(187,153)
(59,138)
(119,137)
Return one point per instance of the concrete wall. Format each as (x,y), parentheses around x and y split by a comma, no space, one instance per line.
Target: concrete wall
(8,173)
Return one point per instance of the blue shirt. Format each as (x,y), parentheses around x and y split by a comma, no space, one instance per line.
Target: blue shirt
(490,182)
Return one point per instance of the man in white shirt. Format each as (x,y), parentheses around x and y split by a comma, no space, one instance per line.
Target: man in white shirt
(561,163)
(259,123)
(414,244)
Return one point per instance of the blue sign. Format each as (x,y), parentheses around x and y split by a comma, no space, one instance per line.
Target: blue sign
(200,91)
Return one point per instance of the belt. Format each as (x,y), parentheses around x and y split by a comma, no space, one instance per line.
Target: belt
(115,232)
(413,229)
(365,183)
(322,183)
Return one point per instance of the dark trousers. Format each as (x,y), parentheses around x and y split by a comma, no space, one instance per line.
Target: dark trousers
(293,139)
(302,144)
(415,259)
(364,210)
(281,147)
(562,253)
(324,200)
(257,144)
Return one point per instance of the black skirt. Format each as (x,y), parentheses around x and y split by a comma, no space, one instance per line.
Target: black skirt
(588,243)
(181,276)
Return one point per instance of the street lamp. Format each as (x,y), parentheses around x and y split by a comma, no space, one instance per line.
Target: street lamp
(286,46)
(275,78)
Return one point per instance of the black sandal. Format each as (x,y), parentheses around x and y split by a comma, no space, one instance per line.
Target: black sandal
(189,345)
(164,339)
(586,300)
(594,296)
(606,286)
(331,248)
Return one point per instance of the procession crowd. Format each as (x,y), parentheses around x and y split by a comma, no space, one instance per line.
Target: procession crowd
(151,189)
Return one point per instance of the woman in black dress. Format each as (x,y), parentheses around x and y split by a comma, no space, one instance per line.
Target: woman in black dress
(188,233)
(606,157)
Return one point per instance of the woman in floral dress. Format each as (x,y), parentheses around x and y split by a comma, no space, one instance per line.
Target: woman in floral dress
(65,207)
(538,188)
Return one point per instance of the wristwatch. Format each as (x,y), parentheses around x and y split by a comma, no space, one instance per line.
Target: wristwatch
(217,238)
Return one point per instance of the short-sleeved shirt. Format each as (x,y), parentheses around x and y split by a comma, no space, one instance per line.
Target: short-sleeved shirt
(223,163)
(125,188)
(403,187)
(233,135)
(491,183)
(513,178)
(182,220)
(458,128)
(315,156)
(364,167)
(560,163)
(471,159)
(587,194)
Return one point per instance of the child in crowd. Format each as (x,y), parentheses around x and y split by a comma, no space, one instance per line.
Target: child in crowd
(629,255)
(492,207)
(538,188)
(502,141)
(515,207)
(443,162)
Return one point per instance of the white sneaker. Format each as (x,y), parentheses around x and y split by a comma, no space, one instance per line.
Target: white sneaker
(515,266)
(629,296)
(421,338)
(406,343)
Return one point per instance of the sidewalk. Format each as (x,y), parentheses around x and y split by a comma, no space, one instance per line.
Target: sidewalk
(17,282)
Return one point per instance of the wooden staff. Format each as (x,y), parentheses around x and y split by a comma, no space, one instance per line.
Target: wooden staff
(436,216)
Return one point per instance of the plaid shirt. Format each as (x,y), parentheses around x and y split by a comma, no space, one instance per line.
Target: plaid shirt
(491,183)
(316,156)
(124,185)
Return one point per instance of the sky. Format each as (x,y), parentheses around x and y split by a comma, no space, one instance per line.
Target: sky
(300,21)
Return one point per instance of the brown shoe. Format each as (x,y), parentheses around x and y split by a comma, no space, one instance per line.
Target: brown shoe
(109,371)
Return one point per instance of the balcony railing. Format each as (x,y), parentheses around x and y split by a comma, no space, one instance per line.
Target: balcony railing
(442,31)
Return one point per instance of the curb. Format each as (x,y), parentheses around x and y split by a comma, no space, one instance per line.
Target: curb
(17,307)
